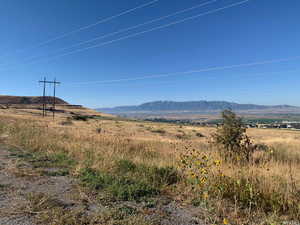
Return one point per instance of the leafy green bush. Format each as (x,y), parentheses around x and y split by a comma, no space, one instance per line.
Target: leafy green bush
(232,140)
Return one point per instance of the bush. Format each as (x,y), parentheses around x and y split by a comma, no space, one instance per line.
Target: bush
(129,180)
(155,176)
(80,117)
(159,131)
(232,140)
(200,135)
(162,176)
(124,166)
(122,188)
(183,136)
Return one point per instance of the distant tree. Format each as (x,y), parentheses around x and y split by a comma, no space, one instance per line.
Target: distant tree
(231,138)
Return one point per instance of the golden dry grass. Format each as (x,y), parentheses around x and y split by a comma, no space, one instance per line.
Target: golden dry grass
(99,143)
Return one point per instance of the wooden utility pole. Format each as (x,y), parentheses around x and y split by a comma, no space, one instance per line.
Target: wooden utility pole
(44,95)
(54,95)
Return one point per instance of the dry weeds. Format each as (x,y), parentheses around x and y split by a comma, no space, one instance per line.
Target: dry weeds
(136,142)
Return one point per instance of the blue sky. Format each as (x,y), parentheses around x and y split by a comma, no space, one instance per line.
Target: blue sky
(256,31)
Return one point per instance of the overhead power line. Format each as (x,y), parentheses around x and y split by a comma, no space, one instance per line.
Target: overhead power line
(142,32)
(173,83)
(136,26)
(190,71)
(90,25)
(153,29)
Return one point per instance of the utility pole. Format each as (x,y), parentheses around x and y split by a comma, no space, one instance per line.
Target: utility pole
(54,95)
(44,95)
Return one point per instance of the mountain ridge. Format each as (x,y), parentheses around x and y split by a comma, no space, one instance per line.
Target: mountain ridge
(161,106)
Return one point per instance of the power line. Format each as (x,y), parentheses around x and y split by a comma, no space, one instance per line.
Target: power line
(171,83)
(143,32)
(89,26)
(153,29)
(191,71)
(134,27)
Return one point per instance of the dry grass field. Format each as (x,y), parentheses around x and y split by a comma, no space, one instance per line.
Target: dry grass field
(134,160)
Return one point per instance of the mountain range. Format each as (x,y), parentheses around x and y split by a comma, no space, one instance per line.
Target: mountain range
(207,107)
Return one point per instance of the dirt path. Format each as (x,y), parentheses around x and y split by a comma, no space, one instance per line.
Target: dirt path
(23,188)
(29,197)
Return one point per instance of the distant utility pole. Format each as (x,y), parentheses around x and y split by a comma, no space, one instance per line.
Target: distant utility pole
(54,95)
(44,95)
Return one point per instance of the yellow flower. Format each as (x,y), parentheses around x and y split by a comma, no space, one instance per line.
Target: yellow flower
(222,174)
(203,180)
(217,162)
(225,221)
(203,171)
(205,195)
(205,157)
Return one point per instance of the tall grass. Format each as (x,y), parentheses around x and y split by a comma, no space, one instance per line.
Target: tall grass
(124,168)
(129,168)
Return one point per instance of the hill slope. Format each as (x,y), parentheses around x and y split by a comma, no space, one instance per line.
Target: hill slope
(31,100)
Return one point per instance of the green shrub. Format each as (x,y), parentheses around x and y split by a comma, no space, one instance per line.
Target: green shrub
(93,179)
(163,176)
(80,117)
(127,189)
(232,140)
(155,176)
(124,166)
(122,188)
(130,181)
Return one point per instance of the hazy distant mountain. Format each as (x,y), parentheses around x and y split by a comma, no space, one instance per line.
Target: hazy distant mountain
(194,106)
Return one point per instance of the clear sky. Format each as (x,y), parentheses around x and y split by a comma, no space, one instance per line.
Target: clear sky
(34,34)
